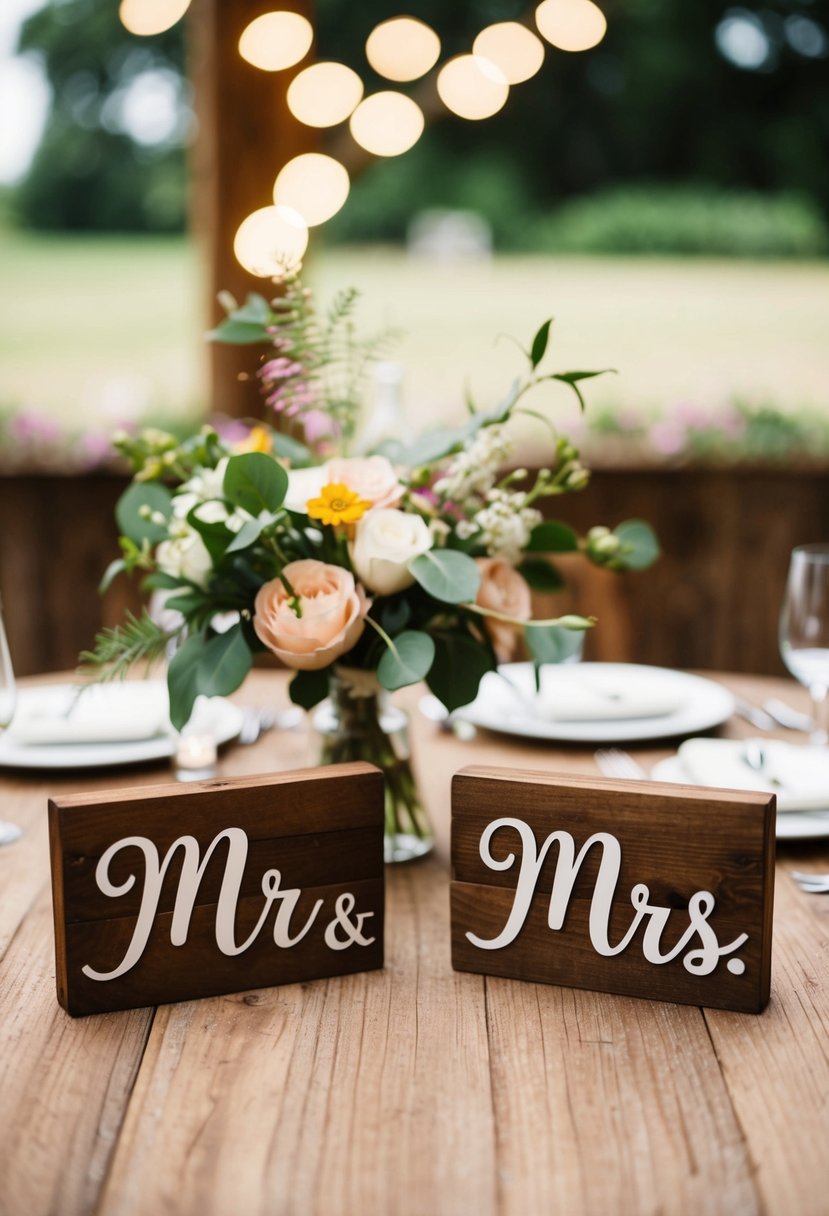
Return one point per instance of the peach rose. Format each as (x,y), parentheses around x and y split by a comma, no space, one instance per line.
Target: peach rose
(503,590)
(372,477)
(332,608)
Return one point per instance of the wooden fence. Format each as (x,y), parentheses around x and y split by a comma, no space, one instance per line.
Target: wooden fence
(712,600)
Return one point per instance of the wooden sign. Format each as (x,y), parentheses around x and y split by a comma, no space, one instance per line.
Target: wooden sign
(180,891)
(632,887)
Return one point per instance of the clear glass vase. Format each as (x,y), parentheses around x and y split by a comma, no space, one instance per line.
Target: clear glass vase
(359,722)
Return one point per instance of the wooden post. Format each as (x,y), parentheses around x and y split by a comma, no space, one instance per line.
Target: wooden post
(245,134)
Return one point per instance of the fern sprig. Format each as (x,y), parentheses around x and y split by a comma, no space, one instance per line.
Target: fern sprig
(138,640)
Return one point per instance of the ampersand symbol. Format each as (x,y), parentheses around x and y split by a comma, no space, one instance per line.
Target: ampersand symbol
(343,908)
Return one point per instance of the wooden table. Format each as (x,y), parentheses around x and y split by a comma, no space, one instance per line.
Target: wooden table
(416,1090)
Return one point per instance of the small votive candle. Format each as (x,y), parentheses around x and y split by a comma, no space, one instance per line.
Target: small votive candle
(194,758)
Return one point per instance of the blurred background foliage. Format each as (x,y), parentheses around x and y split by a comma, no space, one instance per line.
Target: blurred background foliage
(693,128)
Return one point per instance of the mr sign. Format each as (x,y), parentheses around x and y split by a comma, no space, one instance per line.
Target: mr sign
(649,890)
(169,893)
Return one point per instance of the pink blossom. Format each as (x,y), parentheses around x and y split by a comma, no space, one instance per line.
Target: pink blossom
(667,437)
(317,424)
(280,369)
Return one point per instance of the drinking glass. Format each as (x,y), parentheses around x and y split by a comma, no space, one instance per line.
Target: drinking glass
(804,630)
(9,832)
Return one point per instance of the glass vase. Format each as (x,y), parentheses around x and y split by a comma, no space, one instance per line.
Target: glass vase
(359,722)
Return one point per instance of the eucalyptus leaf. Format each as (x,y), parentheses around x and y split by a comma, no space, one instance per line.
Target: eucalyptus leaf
(239,333)
(183,680)
(249,532)
(447,575)
(291,449)
(553,644)
(409,662)
(641,547)
(213,667)
(112,571)
(139,496)
(255,482)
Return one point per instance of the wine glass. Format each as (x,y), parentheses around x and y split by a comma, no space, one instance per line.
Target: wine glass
(804,630)
(9,832)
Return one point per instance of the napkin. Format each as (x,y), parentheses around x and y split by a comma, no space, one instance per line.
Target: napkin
(797,774)
(117,713)
(570,695)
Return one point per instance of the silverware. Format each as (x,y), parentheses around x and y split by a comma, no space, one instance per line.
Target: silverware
(760,719)
(785,716)
(815,884)
(254,722)
(613,762)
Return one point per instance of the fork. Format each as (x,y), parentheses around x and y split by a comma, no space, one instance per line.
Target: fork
(613,762)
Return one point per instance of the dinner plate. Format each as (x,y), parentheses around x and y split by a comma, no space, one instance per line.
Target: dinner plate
(791,825)
(505,703)
(217,715)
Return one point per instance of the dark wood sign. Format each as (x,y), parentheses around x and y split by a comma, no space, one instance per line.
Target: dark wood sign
(631,887)
(173,892)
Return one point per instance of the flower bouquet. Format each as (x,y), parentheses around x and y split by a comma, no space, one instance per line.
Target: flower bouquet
(361,573)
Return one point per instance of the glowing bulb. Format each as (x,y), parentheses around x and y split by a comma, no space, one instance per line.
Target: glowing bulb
(402,48)
(276,41)
(147,17)
(313,185)
(324,94)
(571,25)
(271,241)
(387,123)
(512,48)
(472,87)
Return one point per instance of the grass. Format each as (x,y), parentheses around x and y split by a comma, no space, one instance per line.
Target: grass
(95,330)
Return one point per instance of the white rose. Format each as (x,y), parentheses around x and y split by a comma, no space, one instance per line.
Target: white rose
(304,484)
(386,540)
(185,556)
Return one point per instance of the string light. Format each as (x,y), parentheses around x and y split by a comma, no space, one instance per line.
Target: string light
(571,25)
(313,185)
(324,94)
(271,241)
(472,87)
(387,123)
(402,48)
(276,41)
(148,17)
(514,49)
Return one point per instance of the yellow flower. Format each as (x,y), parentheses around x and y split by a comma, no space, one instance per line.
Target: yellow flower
(337,505)
(257,440)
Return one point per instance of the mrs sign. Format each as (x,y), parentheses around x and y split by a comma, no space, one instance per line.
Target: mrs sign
(169,893)
(621,886)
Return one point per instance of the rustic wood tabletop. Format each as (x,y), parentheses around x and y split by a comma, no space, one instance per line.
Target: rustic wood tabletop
(415,1090)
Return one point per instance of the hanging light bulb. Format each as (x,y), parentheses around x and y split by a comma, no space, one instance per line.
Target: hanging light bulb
(324,94)
(402,48)
(147,17)
(387,123)
(472,87)
(571,25)
(514,49)
(276,41)
(271,241)
(314,185)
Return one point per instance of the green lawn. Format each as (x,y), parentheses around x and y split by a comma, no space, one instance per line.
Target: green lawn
(97,330)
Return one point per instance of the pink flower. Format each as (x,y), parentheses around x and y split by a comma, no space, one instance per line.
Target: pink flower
(325,621)
(503,590)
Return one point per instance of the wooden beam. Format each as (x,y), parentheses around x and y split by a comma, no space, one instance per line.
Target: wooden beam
(245,134)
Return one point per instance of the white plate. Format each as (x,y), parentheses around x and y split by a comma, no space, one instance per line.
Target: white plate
(791,825)
(221,716)
(507,706)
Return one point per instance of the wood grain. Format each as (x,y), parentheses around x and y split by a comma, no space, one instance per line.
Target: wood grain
(674,839)
(416,1090)
(331,816)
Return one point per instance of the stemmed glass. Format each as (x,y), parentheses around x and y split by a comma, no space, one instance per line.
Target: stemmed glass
(9,832)
(804,630)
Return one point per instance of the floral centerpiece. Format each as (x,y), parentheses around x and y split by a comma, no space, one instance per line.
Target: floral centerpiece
(361,573)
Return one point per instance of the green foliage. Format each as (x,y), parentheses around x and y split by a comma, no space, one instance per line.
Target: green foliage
(136,507)
(308,688)
(213,666)
(447,575)
(460,664)
(138,640)
(409,660)
(553,536)
(540,575)
(553,644)
(659,219)
(640,548)
(255,482)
